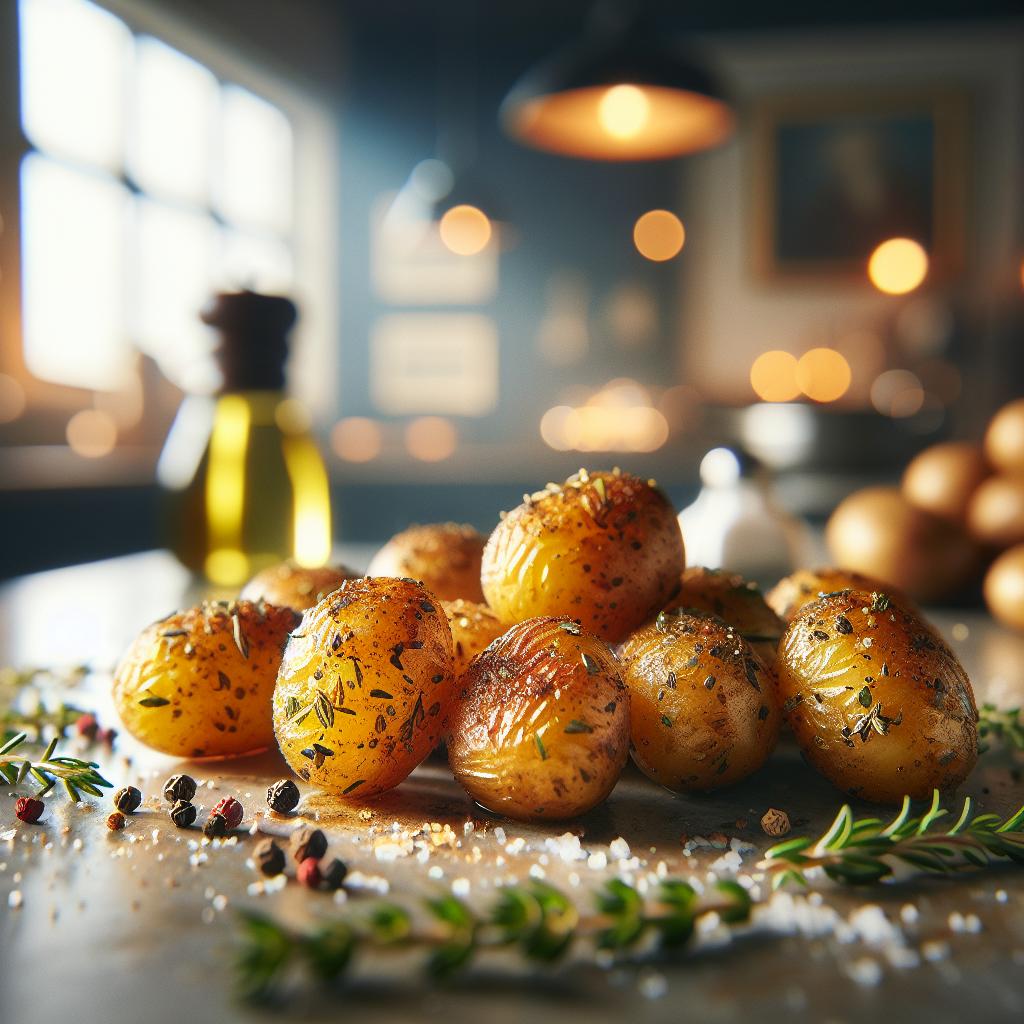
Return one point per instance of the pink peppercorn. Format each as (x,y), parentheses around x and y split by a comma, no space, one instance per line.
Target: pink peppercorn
(231,811)
(86,725)
(308,873)
(28,809)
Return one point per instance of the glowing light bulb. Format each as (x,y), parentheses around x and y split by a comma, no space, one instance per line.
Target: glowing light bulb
(465,230)
(623,111)
(659,235)
(898,266)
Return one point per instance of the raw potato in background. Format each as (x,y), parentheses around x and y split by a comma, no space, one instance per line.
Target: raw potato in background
(444,557)
(199,683)
(1004,588)
(942,478)
(294,586)
(995,515)
(1004,439)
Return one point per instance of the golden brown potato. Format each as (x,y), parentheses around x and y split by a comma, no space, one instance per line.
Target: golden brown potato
(703,711)
(995,515)
(444,557)
(541,729)
(365,686)
(199,683)
(942,478)
(1004,439)
(288,585)
(604,548)
(802,587)
(876,699)
(736,601)
(1004,588)
(878,532)
(473,627)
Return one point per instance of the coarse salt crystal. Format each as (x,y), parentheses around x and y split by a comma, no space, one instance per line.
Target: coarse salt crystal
(436,872)
(909,913)
(499,836)
(14,900)
(597,861)
(618,848)
(460,886)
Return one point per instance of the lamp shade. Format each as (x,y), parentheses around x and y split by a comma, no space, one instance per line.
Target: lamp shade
(618,96)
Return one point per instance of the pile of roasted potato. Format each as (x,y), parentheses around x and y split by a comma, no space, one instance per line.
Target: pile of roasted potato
(544,656)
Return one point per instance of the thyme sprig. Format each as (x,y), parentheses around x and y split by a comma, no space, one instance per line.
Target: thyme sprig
(535,919)
(76,776)
(23,707)
(860,851)
(1004,725)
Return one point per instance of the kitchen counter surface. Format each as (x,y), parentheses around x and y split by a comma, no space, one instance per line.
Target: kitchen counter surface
(142,924)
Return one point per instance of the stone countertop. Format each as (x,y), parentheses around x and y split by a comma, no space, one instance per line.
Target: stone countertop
(140,925)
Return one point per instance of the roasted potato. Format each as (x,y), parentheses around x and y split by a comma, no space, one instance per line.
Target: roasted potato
(604,548)
(445,557)
(703,710)
(878,702)
(199,683)
(288,585)
(541,728)
(942,478)
(802,587)
(1004,439)
(736,601)
(473,627)
(995,515)
(365,686)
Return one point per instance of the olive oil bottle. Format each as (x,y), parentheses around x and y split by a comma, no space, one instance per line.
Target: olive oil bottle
(245,485)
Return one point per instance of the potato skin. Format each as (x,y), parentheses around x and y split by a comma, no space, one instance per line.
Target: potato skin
(702,708)
(541,729)
(804,586)
(371,665)
(604,548)
(218,698)
(288,585)
(444,557)
(473,628)
(878,702)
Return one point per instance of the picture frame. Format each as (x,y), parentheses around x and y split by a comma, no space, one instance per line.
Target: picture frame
(834,175)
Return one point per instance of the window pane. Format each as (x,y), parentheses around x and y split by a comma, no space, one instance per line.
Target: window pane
(172,123)
(74,59)
(257,263)
(175,266)
(256,171)
(74,227)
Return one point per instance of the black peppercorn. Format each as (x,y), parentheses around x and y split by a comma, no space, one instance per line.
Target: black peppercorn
(269,858)
(127,799)
(179,787)
(283,796)
(334,874)
(216,826)
(183,813)
(308,843)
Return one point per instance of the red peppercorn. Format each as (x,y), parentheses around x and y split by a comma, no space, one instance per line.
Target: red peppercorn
(308,873)
(86,725)
(28,809)
(231,811)
(106,737)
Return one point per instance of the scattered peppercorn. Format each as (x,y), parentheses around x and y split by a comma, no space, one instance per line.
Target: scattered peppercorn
(183,813)
(283,796)
(87,726)
(106,737)
(231,811)
(308,844)
(215,827)
(128,799)
(334,874)
(116,821)
(269,858)
(179,787)
(28,809)
(309,873)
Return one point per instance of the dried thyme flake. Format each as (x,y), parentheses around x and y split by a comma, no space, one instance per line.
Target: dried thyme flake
(169,633)
(151,700)
(540,746)
(324,709)
(382,694)
(355,785)
(592,667)
(666,721)
(240,641)
(578,726)
(843,625)
(865,697)
(570,627)
(879,602)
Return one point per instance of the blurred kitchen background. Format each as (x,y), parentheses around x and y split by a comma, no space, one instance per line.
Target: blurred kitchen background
(830,280)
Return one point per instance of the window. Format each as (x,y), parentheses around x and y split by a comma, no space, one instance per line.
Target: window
(148,184)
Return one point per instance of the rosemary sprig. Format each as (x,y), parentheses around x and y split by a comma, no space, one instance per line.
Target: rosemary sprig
(538,920)
(1004,725)
(862,851)
(75,775)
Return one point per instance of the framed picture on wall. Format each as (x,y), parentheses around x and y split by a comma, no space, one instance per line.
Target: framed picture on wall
(834,176)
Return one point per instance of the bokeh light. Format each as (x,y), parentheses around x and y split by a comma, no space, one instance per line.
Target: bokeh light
(623,111)
(897,393)
(898,266)
(659,235)
(465,230)
(618,417)
(356,439)
(431,438)
(823,374)
(92,433)
(773,376)
(12,399)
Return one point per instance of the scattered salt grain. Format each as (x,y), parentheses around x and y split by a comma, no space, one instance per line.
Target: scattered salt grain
(436,872)
(653,985)
(909,913)
(865,971)
(460,886)
(14,900)
(499,836)
(567,847)
(618,849)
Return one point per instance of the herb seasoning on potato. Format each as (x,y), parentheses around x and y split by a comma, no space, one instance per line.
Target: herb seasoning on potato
(365,686)
(542,726)
(878,702)
(604,548)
